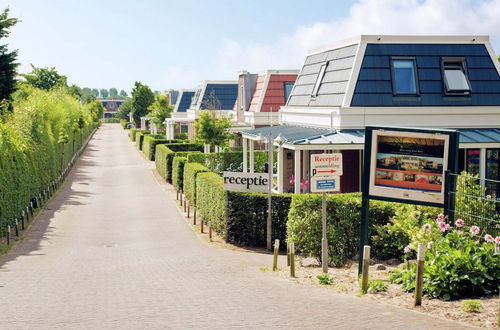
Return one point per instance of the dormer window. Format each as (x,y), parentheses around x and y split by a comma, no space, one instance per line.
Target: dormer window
(455,77)
(321,74)
(404,76)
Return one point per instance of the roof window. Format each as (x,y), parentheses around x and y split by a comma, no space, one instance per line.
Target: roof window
(319,79)
(455,77)
(404,76)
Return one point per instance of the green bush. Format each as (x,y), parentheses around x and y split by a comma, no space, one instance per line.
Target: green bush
(132,133)
(139,138)
(325,279)
(150,142)
(191,170)
(472,306)
(375,286)
(230,161)
(111,120)
(211,201)
(181,136)
(247,218)
(30,155)
(165,154)
(343,223)
(457,265)
(178,171)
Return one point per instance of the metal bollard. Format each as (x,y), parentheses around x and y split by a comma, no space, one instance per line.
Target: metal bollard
(292,259)
(420,274)
(275,257)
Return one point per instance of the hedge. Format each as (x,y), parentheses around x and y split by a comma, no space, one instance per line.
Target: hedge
(132,132)
(151,141)
(139,138)
(191,170)
(178,171)
(343,223)
(30,155)
(229,161)
(247,218)
(165,154)
(211,201)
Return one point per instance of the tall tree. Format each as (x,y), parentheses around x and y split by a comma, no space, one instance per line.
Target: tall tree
(124,110)
(104,93)
(8,63)
(211,130)
(142,98)
(44,78)
(95,91)
(123,93)
(113,93)
(160,109)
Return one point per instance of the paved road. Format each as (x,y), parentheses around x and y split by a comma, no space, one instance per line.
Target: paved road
(112,252)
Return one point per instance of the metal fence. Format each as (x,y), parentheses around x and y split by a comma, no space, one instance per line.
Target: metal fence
(475,200)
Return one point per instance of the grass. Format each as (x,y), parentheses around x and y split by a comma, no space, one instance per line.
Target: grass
(472,306)
(325,279)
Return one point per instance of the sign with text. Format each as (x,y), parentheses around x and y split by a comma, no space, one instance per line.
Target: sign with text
(326,170)
(246,182)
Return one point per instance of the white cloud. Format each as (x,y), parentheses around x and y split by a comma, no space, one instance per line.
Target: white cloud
(431,17)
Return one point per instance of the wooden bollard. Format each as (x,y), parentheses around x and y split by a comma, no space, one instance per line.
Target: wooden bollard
(189,209)
(177,194)
(185,203)
(180,199)
(194,215)
(288,254)
(201,226)
(22,220)
(365,269)
(16,228)
(275,257)
(210,232)
(420,274)
(292,259)
(8,234)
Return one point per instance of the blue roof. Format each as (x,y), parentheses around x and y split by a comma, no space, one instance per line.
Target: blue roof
(185,101)
(224,95)
(374,85)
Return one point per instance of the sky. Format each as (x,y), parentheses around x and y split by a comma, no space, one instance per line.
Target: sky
(176,44)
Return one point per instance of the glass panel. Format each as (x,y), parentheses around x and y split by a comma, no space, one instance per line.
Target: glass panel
(404,77)
(492,162)
(184,128)
(473,161)
(319,79)
(288,90)
(455,79)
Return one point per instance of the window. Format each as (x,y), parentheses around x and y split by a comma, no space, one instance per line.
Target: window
(319,79)
(404,76)
(111,105)
(455,77)
(288,90)
(184,128)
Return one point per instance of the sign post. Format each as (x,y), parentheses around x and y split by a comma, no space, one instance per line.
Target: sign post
(326,170)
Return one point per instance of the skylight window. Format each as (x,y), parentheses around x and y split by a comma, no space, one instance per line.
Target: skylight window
(455,77)
(288,90)
(404,76)
(319,79)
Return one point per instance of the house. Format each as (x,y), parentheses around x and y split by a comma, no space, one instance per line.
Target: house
(419,81)
(111,107)
(179,122)
(172,95)
(217,96)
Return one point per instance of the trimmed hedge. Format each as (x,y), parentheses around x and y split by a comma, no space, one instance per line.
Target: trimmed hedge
(139,138)
(230,161)
(191,170)
(165,154)
(211,201)
(247,218)
(133,131)
(151,141)
(343,223)
(178,171)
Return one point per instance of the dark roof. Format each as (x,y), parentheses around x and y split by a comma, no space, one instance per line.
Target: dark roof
(184,101)
(224,95)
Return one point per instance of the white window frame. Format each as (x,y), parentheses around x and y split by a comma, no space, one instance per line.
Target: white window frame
(319,79)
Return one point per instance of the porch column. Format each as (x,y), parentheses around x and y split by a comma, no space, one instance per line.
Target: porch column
(143,123)
(252,155)
(171,130)
(482,166)
(297,171)
(281,168)
(245,155)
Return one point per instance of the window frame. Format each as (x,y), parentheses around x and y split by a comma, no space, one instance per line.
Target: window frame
(319,79)
(284,89)
(463,65)
(415,77)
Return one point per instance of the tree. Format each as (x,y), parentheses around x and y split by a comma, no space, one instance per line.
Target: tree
(211,130)
(97,110)
(8,64)
(95,91)
(104,93)
(45,78)
(113,93)
(160,109)
(124,110)
(76,91)
(142,98)
(123,93)
(211,102)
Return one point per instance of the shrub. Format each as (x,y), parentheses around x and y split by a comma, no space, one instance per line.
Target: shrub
(178,171)
(139,138)
(343,223)
(133,131)
(375,286)
(211,201)
(229,161)
(472,306)
(247,218)
(165,154)
(325,279)
(111,120)
(150,142)
(457,265)
(181,136)
(191,170)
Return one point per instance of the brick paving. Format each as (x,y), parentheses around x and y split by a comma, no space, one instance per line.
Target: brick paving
(111,251)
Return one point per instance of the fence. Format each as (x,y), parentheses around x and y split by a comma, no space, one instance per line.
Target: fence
(475,200)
